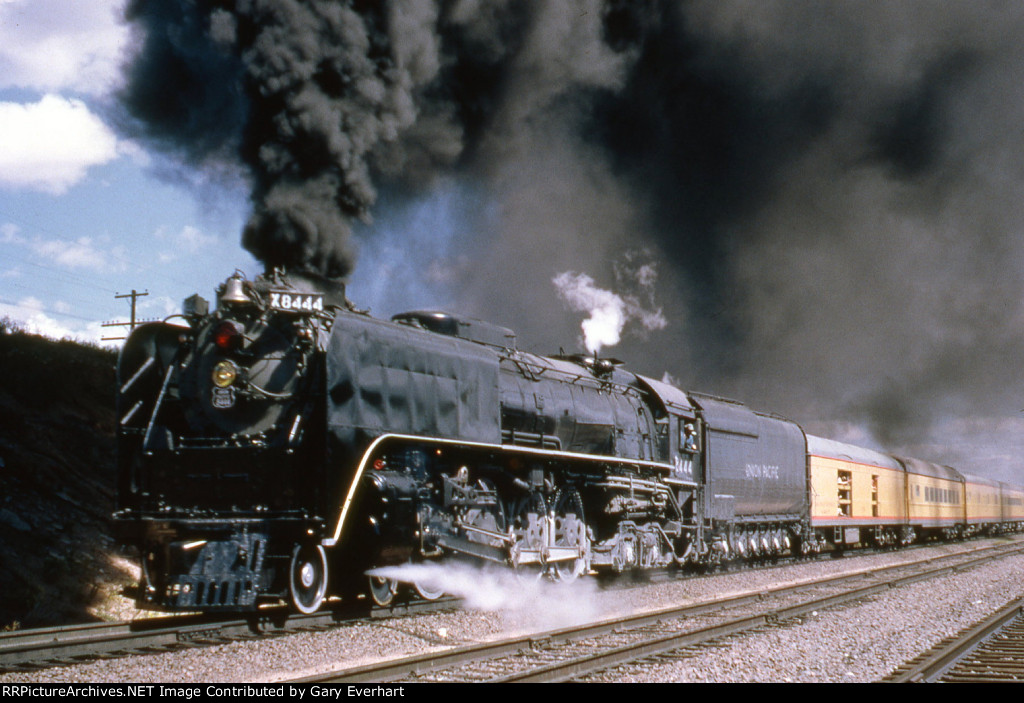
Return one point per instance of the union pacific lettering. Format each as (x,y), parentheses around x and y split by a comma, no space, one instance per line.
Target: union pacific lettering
(763,471)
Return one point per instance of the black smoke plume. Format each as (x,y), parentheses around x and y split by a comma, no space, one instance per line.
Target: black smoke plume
(313,97)
(832,191)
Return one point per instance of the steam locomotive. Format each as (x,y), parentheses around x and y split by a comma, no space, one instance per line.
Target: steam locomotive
(285,443)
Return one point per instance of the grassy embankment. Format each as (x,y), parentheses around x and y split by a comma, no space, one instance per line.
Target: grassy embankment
(58,561)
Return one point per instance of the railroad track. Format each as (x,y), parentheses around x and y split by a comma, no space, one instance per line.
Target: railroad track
(57,646)
(34,649)
(992,651)
(578,652)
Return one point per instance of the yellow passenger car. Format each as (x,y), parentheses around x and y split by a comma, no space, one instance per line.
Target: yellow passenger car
(1012,500)
(935,498)
(983,505)
(857,495)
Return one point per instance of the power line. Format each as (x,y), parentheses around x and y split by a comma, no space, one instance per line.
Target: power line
(22,223)
(88,302)
(63,275)
(45,310)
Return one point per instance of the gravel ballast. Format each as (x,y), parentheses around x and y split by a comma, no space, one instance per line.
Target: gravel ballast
(858,642)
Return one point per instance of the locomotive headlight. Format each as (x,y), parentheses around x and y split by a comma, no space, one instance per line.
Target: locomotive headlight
(224,374)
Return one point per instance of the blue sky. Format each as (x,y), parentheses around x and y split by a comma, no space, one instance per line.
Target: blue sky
(84,213)
(87,214)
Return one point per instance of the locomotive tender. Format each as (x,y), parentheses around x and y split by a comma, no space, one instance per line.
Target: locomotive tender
(283,444)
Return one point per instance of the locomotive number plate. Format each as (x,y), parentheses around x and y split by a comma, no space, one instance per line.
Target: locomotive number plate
(223,398)
(297,302)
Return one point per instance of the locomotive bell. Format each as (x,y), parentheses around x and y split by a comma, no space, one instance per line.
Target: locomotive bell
(234,292)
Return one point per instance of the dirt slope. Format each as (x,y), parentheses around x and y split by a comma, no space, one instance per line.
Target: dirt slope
(58,562)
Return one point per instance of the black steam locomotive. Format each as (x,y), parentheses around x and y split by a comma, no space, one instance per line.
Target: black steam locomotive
(285,443)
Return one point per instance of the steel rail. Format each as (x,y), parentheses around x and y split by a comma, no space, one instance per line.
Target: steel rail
(37,648)
(419,665)
(41,647)
(938,664)
(587,664)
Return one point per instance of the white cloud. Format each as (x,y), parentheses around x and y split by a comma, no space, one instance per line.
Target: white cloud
(31,315)
(159,306)
(80,253)
(56,45)
(49,145)
(194,240)
(10,233)
(189,240)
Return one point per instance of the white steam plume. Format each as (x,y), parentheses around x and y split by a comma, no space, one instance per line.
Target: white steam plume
(609,312)
(528,602)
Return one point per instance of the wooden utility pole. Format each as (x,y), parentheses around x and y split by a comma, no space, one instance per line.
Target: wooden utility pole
(134,295)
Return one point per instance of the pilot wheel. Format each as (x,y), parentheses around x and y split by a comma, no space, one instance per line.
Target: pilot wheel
(307,578)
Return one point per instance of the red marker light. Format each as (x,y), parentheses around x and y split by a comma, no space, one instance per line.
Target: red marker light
(227,336)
